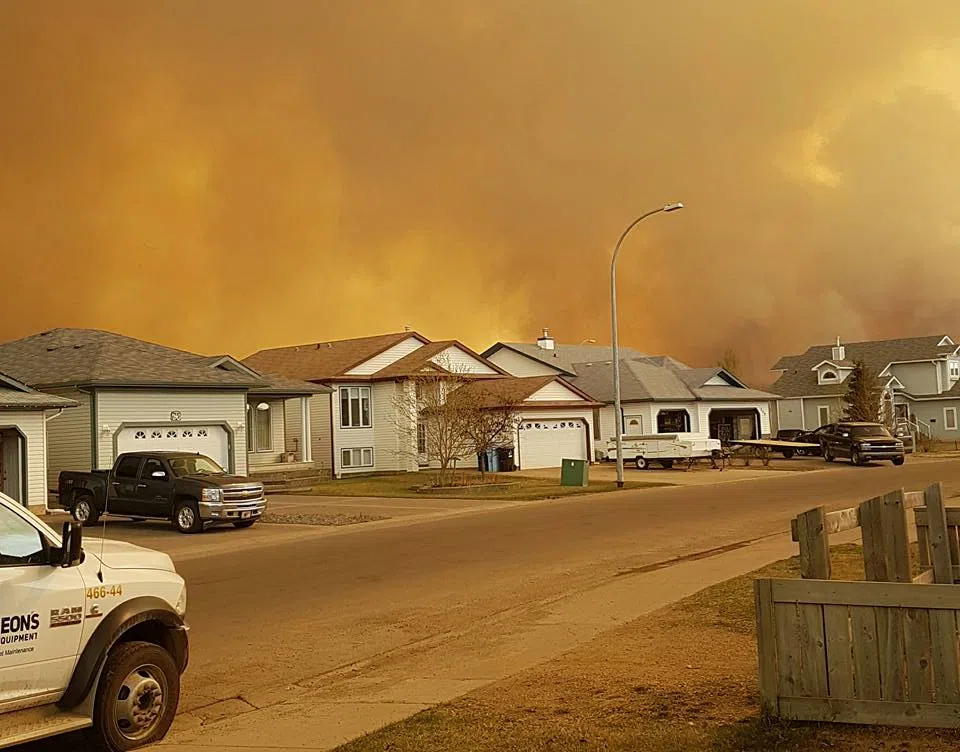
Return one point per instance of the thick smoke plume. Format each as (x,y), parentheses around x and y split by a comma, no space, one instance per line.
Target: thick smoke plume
(228,175)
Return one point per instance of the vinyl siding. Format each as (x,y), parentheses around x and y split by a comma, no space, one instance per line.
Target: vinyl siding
(931,413)
(918,378)
(386,358)
(790,414)
(456,360)
(30,424)
(69,437)
(277,422)
(811,407)
(356,438)
(292,427)
(520,365)
(320,428)
(608,425)
(555,392)
(143,407)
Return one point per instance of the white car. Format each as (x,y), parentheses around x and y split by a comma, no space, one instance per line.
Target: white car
(91,637)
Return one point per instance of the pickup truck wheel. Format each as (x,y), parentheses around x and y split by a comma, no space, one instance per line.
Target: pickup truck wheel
(186,517)
(244,523)
(136,698)
(84,511)
(826,455)
(897,460)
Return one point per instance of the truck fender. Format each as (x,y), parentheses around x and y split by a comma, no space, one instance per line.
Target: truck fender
(121,620)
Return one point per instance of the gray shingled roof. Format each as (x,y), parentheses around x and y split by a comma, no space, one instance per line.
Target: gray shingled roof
(799,380)
(659,379)
(13,399)
(89,357)
(563,357)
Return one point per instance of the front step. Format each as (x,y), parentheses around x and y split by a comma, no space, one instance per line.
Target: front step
(22,726)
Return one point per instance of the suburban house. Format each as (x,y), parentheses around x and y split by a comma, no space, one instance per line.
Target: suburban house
(918,379)
(371,378)
(130,395)
(658,393)
(24,415)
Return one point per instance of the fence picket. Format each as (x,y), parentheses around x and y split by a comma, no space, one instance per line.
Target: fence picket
(766,647)
(814,545)
(813,656)
(788,649)
(918,651)
(866,655)
(890,646)
(936,535)
(946,667)
(837,633)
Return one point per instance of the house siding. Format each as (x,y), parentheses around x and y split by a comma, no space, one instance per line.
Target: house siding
(320,428)
(383,436)
(136,407)
(790,414)
(456,360)
(812,405)
(520,365)
(918,378)
(292,424)
(931,412)
(555,392)
(31,425)
(277,434)
(69,437)
(386,358)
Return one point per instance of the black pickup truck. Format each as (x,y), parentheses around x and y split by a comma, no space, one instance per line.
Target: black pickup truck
(191,490)
(860,443)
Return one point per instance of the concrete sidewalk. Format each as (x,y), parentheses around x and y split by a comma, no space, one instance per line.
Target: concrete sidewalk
(328,710)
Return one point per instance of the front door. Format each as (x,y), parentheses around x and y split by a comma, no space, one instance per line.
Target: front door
(123,486)
(153,495)
(41,616)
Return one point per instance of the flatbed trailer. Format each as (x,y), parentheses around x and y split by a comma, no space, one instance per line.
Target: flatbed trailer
(763,448)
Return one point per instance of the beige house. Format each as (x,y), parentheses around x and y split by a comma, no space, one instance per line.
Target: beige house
(132,395)
(918,379)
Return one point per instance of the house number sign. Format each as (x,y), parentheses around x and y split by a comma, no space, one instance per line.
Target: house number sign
(175,416)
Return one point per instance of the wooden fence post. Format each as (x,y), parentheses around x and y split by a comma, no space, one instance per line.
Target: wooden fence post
(886,551)
(814,544)
(937,535)
(767,648)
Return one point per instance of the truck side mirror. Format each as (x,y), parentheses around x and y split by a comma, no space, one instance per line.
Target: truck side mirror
(72,544)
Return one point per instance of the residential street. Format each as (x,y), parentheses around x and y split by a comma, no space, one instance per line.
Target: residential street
(301,604)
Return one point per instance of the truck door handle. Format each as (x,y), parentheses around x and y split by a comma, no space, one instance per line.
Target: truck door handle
(116,483)
(141,485)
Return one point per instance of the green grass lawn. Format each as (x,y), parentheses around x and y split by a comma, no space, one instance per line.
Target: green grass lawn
(499,486)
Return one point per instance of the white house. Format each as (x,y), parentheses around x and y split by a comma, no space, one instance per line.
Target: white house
(658,393)
(369,376)
(918,379)
(24,415)
(133,395)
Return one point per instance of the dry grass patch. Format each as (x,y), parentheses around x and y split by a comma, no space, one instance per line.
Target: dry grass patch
(683,678)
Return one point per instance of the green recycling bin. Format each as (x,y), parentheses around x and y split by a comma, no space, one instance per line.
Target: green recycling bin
(574,473)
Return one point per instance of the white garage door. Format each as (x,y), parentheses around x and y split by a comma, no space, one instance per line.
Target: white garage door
(211,441)
(546,443)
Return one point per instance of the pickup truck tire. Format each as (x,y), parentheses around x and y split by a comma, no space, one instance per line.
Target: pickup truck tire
(137,697)
(827,456)
(244,523)
(186,517)
(897,461)
(83,509)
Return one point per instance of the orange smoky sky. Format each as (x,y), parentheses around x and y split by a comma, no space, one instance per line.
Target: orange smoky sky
(228,175)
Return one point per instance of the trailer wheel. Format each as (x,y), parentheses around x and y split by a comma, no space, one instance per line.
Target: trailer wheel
(642,463)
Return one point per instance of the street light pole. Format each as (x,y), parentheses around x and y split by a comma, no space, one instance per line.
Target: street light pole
(617,409)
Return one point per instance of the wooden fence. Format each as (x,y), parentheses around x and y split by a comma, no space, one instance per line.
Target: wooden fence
(885,650)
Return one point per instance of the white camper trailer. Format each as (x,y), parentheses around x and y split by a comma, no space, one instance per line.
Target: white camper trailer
(663,448)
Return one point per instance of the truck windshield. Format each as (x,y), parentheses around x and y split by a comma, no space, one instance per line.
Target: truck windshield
(864,431)
(198,465)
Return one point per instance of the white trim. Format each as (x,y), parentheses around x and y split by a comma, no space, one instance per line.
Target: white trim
(831,363)
(946,423)
(343,416)
(361,451)
(306,452)
(803,415)
(886,369)
(945,341)
(939,379)
(897,383)
(820,409)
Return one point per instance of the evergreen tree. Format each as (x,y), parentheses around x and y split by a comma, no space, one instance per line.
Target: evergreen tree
(863,395)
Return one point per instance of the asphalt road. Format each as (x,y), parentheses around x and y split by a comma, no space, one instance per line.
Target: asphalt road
(275,614)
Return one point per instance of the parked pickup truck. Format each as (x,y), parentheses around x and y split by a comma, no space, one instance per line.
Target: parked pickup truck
(92,637)
(191,490)
(861,443)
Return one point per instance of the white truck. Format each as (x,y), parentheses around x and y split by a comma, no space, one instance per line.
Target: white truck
(90,638)
(663,448)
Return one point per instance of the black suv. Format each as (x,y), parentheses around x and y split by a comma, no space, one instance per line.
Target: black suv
(860,443)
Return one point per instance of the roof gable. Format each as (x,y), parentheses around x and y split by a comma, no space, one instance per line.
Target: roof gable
(563,357)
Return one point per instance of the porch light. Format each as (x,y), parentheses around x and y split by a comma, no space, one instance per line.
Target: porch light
(263,406)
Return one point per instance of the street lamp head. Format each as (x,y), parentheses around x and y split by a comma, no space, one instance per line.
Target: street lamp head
(673,207)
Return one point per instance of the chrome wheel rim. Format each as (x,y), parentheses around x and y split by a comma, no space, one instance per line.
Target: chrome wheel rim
(140,703)
(185,518)
(82,511)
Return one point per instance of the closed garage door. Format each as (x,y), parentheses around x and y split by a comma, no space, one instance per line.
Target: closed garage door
(211,441)
(546,443)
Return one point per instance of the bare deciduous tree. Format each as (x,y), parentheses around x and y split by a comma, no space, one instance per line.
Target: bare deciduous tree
(730,362)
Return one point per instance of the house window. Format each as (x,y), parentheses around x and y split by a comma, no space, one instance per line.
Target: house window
(421,438)
(950,418)
(362,457)
(259,430)
(355,407)
(823,414)
(828,376)
(955,369)
(673,421)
